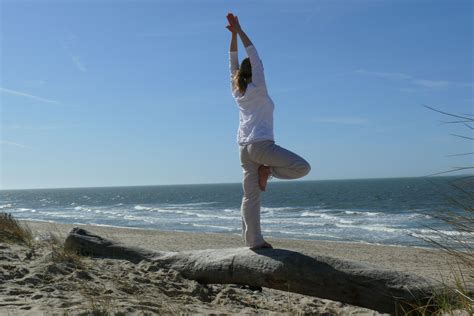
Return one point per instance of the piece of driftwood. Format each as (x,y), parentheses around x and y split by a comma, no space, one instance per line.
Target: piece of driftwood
(324,277)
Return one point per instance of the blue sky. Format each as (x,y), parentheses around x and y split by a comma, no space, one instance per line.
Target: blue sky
(111,93)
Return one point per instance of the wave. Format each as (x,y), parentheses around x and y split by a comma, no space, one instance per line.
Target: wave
(364,213)
(81,208)
(6,206)
(318,212)
(310,214)
(327,217)
(415,232)
(276,209)
(142,208)
(301,233)
(374,227)
(200,215)
(231,210)
(292,221)
(418,215)
(446,232)
(213,226)
(24,209)
(188,204)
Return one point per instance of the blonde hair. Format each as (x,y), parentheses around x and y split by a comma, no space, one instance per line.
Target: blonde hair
(243,76)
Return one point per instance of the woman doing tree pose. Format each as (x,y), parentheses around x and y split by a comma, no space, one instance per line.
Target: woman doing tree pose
(259,155)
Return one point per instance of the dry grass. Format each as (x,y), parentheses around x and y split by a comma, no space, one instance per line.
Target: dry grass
(98,303)
(12,231)
(456,297)
(446,300)
(60,254)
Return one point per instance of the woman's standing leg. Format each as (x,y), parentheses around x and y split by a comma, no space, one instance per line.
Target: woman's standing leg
(251,231)
(283,163)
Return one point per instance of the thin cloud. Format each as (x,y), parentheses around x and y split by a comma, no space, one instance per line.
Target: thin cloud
(419,82)
(8,143)
(78,63)
(31,128)
(385,75)
(27,95)
(342,120)
(432,84)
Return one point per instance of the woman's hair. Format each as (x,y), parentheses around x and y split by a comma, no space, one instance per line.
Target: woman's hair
(242,77)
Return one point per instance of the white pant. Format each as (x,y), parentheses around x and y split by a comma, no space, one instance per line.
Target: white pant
(283,164)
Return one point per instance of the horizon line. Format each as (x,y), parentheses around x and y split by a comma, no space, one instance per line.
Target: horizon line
(216,183)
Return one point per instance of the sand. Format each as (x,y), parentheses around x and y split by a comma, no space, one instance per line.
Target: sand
(43,282)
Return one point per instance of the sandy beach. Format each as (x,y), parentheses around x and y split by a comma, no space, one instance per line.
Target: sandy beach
(33,283)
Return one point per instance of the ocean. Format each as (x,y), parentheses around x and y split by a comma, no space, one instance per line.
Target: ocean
(393,211)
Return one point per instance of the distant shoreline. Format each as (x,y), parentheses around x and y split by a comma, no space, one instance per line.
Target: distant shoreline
(228,183)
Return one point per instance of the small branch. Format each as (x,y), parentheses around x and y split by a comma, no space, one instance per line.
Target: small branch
(468,126)
(455,122)
(460,154)
(449,114)
(461,136)
(449,171)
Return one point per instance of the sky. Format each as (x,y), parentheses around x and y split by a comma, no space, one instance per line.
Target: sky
(118,93)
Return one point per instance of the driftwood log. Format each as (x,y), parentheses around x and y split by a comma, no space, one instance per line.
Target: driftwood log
(324,277)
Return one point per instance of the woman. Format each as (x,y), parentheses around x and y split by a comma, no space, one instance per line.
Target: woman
(259,156)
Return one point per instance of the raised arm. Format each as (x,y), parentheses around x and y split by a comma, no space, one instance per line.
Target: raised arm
(233,53)
(245,39)
(258,77)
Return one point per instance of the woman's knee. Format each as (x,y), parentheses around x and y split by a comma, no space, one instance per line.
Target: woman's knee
(304,169)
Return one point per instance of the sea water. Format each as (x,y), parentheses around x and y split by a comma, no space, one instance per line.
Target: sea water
(395,211)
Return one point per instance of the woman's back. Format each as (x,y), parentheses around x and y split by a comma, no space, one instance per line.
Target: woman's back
(256,106)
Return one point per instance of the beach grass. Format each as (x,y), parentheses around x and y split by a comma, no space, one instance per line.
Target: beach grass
(455,297)
(59,253)
(12,231)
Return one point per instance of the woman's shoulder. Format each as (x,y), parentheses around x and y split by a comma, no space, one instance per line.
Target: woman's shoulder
(252,92)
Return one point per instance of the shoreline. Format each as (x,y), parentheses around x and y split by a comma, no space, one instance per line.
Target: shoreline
(232,234)
(427,262)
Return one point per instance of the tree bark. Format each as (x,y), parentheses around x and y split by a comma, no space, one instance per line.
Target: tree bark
(324,277)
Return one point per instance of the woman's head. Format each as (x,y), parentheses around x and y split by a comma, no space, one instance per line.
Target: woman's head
(243,76)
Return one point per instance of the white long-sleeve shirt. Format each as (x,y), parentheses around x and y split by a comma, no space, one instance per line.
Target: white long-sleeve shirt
(255,106)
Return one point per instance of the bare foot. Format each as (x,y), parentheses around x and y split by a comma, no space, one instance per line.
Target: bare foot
(263,173)
(264,245)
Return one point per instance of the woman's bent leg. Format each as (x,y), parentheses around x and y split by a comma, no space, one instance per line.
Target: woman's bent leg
(251,231)
(284,163)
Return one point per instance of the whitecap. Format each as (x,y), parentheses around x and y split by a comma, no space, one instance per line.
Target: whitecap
(142,208)
(310,214)
(300,233)
(22,209)
(374,227)
(81,208)
(363,213)
(276,209)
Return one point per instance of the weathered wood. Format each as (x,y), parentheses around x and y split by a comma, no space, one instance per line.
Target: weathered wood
(324,277)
